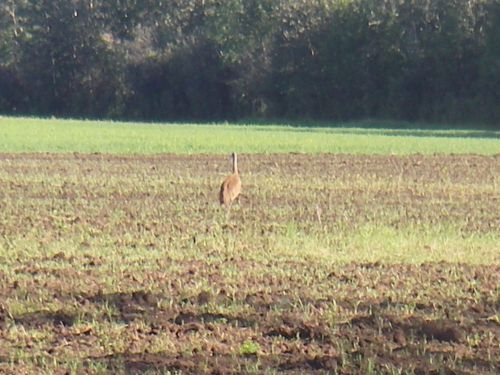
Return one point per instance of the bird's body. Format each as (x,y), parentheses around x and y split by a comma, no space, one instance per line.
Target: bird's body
(231,187)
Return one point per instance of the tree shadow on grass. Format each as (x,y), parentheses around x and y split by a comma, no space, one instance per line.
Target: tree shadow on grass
(385,128)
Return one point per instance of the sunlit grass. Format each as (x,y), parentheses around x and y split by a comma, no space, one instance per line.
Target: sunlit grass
(52,135)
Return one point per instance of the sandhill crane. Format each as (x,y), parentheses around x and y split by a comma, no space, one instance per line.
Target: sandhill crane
(231,187)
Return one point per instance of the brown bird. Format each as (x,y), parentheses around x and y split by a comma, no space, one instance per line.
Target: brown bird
(231,187)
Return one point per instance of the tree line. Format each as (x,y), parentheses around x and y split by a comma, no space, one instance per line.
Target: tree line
(414,60)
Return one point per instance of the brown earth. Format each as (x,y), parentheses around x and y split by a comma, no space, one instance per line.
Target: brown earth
(148,280)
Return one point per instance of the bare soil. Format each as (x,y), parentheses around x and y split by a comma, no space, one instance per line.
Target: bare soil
(187,302)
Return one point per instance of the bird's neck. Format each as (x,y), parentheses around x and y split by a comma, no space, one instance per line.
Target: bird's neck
(235,164)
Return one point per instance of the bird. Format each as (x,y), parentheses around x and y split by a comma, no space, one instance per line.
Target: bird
(231,187)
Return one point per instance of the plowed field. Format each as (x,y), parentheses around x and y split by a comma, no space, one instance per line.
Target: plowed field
(326,264)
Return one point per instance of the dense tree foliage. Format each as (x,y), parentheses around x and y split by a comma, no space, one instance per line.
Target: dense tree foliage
(431,60)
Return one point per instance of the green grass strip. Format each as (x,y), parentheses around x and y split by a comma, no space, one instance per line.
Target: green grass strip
(55,135)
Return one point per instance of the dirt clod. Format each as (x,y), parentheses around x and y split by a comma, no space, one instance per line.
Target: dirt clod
(442,330)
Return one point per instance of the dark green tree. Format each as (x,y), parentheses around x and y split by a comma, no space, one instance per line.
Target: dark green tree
(64,60)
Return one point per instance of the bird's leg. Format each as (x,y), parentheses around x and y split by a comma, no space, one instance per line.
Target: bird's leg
(228,211)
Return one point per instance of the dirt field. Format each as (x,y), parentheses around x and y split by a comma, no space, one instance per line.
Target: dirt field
(327,264)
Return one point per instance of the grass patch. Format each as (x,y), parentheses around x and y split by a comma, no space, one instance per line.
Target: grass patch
(51,135)
(333,263)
